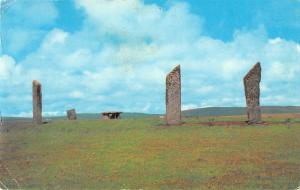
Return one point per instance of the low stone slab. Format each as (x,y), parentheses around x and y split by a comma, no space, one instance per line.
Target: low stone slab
(111,115)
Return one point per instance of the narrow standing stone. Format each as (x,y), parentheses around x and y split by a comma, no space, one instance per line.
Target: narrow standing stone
(173,97)
(37,102)
(252,93)
(71,114)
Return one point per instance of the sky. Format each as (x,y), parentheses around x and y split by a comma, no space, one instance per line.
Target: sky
(100,55)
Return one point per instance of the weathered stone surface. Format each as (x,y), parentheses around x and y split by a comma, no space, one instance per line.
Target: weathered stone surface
(252,93)
(105,117)
(173,97)
(37,102)
(71,114)
(111,115)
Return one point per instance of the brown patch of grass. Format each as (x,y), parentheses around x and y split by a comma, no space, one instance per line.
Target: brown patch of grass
(234,178)
(277,168)
(262,169)
(180,183)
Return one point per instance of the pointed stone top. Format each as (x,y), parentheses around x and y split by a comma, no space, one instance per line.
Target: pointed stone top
(257,65)
(256,69)
(35,82)
(176,69)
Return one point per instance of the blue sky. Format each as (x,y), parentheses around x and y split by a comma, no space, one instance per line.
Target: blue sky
(114,55)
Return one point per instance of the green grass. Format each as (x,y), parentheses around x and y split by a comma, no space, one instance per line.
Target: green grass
(143,154)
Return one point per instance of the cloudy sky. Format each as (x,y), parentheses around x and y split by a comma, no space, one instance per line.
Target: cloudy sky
(101,55)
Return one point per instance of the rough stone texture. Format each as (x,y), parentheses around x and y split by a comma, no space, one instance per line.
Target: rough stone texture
(105,117)
(71,114)
(252,93)
(37,102)
(111,115)
(173,97)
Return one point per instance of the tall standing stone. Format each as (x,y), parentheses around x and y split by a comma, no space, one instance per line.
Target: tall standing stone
(71,114)
(173,97)
(252,93)
(37,102)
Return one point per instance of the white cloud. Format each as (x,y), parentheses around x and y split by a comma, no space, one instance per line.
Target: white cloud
(281,71)
(55,37)
(45,114)
(278,70)
(7,67)
(298,48)
(78,59)
(51,114)
(232,67)
(230,100)
(120,58)
(133,20)
(275,41)
(205,89)
(23,114)
(189,106)
(76,94)
(264,87)
(279,99)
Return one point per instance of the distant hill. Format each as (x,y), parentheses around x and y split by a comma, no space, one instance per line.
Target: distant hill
(228,111)
(210,111)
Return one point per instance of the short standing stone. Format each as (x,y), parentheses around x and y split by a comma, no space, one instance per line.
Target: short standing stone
(252,93)
(71,114)
(37,102)
(173,97)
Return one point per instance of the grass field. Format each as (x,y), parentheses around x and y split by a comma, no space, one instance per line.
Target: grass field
(144,154)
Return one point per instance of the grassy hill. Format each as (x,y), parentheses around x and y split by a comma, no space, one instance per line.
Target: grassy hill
(211,111)
(231,111)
